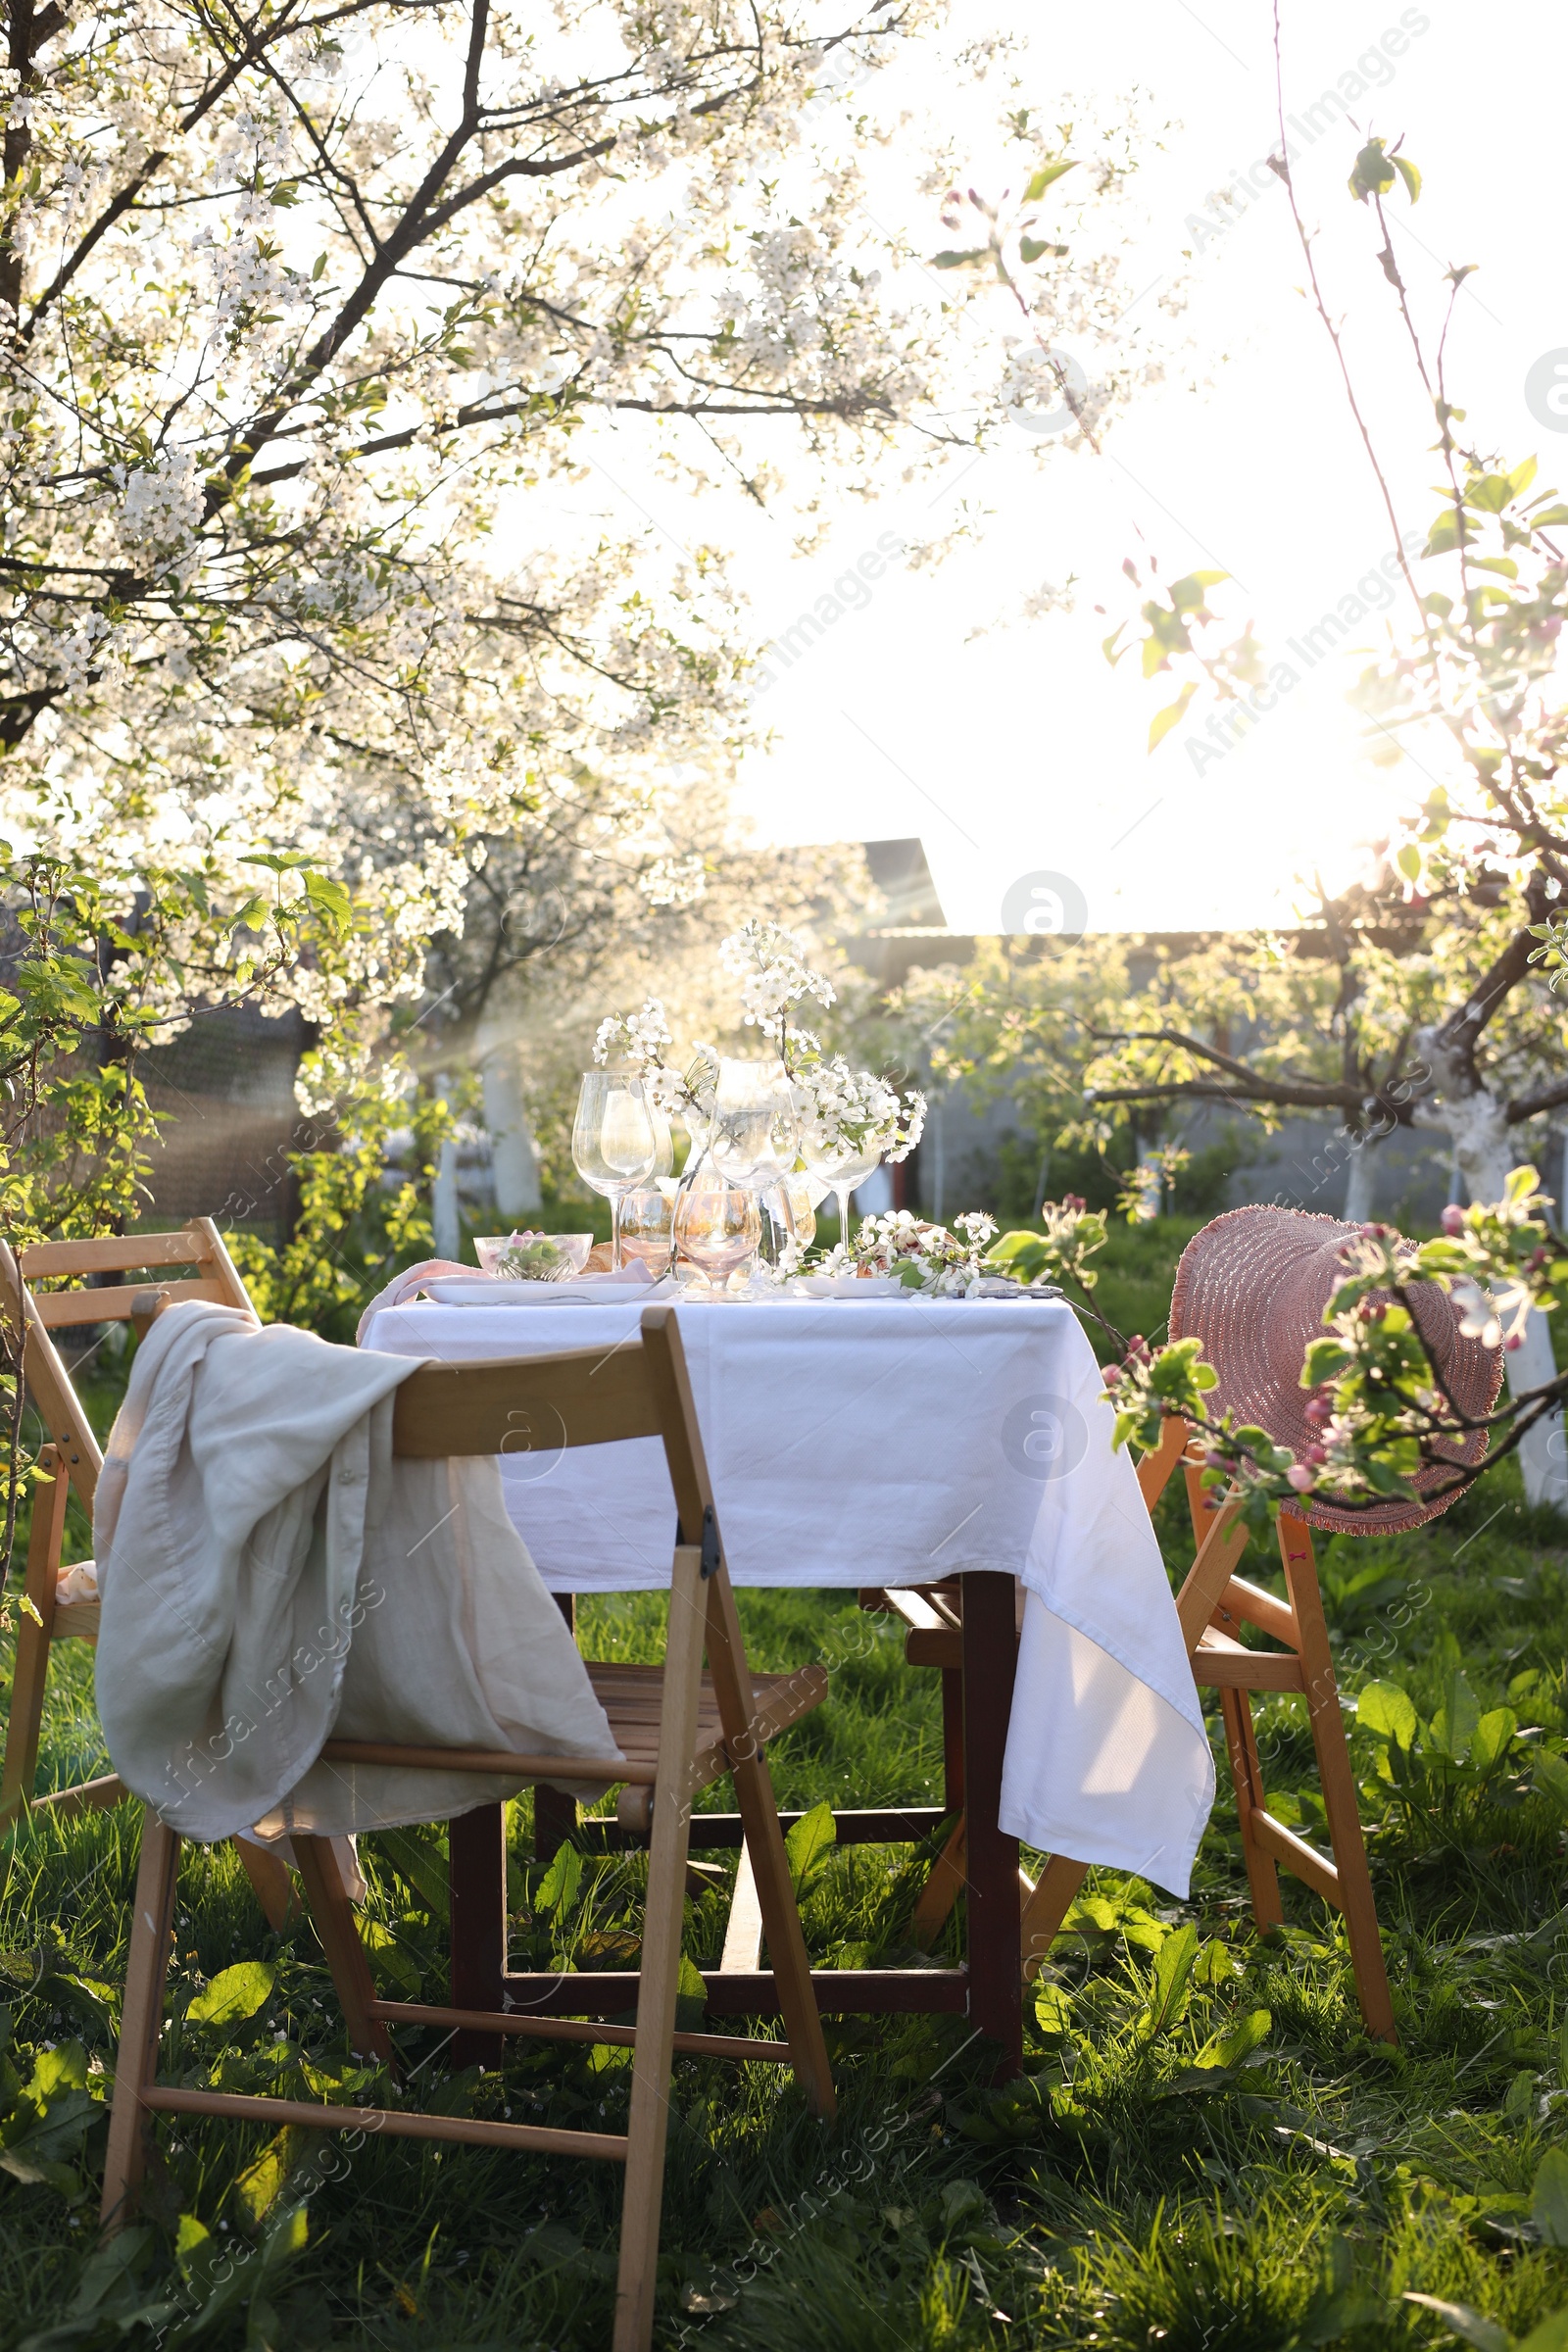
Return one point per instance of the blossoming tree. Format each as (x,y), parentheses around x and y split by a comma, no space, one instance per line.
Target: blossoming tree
(304,309)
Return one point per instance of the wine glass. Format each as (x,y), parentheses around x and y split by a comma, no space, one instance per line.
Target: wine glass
(755,1129)
(647,1226)
(613,1144)
(841,1166)
(717,1227)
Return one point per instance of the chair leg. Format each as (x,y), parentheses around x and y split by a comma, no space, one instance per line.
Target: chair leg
(333,1914)
(1047,1908)
(141,2018)
(758,1811)
(1346,1841)
(24,1730)
(941,1888)
(654,2053)
(743,1930)
(1246,1776)
(271,1882)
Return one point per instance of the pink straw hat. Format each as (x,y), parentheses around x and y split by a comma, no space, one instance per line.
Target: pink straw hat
(1252,1287)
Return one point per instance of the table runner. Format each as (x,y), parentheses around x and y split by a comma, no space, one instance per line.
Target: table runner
(893,1442)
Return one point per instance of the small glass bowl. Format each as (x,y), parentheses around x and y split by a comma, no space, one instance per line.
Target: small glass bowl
(533,1256)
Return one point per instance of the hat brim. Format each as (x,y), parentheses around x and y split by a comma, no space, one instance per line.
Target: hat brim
(1252,1286)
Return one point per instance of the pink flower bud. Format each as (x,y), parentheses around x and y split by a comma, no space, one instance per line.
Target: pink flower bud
(1110,1375)
(1319,1409)
(1454,1218)
(1515,1339)
(1300,1478)
(1316,1454)
(1215,1459)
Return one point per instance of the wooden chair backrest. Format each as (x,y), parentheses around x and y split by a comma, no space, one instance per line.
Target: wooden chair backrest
(585,1396)
(49,1385)
(198,1244)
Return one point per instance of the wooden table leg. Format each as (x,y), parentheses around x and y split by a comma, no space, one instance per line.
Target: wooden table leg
(476,1882)
(990,1664)
(951,1740)
(555,1815)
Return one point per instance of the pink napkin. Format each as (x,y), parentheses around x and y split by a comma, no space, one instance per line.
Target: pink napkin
(409,1284)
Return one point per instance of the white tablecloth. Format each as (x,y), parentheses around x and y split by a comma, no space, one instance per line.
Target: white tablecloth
(892,1441)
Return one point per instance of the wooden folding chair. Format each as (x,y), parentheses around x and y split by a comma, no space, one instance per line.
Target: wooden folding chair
(72,1459)
(1212,1605)
(678,1730)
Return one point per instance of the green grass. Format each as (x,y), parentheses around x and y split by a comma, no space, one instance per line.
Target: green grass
(1116,2197)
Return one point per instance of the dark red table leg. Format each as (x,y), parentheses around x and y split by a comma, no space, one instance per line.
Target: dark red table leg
(990,1662)
(952,1740)
(477,1882)
(554,1816)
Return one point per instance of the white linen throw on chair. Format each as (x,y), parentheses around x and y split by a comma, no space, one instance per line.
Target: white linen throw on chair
(271,1578)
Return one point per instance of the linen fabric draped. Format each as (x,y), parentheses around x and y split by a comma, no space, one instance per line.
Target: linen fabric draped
(896,1442)
(271,1577)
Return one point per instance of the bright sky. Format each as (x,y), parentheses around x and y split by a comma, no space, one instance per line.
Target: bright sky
(1020,749)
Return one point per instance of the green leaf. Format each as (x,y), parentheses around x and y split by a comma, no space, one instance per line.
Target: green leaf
(1550,2336)
(1187,594)
(1163,721)
(1173,1971)
(691,1998)
(1053,2010)
(1238,2041)
(1556,514)
(1043,178)
(809,1844)
(1489,493)
(1371,174)
(1548,2198)
(422,1865)
(1493,1736)
(1388,1713)
(1030,248)
(1485,2334)
(1411,176)
(1408,861)
(1457,1720)
(950,259)
(557,1889)
(260,2184)
(329,899)
(234,1994)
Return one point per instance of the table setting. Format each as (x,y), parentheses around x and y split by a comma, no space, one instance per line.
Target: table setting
(910,1407)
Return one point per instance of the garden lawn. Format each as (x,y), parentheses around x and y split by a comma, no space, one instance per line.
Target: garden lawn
(1206,2151)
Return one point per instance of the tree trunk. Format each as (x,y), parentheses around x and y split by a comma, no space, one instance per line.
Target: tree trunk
(506,1115)
(1481,1143)
(1361,1184)
(444,1220)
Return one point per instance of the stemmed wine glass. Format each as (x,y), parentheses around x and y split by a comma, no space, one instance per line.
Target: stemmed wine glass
(840,1164)
(717,1227)
(613,1143)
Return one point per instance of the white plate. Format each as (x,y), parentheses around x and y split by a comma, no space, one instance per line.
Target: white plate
(482,1290)
(847,1286)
